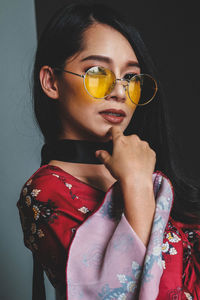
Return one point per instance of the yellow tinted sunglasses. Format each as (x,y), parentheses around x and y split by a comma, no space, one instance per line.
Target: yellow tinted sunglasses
(99,83)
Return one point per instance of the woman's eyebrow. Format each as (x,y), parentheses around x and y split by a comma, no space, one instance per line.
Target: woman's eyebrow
(130,63)
(98,57)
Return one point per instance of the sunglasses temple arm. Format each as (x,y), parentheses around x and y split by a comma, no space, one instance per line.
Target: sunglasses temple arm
(73,73)
(63,70)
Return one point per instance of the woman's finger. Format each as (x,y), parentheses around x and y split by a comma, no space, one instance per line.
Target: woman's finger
(116,132)
(103,156)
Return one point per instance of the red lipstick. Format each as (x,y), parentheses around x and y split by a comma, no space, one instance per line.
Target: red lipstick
(112,115)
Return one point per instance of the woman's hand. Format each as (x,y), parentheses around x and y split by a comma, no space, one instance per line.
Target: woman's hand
(132,159)
(132,164)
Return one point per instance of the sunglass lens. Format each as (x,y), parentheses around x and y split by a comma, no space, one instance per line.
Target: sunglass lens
(142,89)
(99,82)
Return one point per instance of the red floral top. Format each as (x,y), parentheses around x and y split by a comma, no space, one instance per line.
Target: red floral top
(52,206)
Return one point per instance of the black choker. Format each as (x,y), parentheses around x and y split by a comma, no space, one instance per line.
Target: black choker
(74,151)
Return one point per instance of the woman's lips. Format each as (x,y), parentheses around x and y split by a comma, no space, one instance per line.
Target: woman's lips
(114,116)
(112,119)
(114,111)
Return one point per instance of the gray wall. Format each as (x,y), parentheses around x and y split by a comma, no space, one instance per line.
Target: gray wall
(20,142)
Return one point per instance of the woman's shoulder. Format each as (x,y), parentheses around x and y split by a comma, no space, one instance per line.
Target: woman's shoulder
(48,175)
(47,181)
(52,182)
(45,172)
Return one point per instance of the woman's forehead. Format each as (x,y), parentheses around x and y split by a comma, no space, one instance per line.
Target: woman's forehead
(105,42)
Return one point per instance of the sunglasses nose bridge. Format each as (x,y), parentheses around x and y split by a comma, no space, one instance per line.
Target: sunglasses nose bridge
(123,82)
(117,90)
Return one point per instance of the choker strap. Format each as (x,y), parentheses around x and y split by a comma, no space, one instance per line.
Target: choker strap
(75,151)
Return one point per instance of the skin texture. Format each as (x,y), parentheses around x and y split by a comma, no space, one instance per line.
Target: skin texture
(80,117)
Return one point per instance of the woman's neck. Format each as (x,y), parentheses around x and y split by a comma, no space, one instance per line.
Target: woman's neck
(97,176)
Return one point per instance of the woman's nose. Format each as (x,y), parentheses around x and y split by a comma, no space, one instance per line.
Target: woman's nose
(118,92)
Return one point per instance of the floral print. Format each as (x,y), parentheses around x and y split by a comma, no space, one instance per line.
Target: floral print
(127,286)
(41,212)
(35,192)
(48,221)
(84,210)
(188,296)
(68,185)
(167,246)
(170,239)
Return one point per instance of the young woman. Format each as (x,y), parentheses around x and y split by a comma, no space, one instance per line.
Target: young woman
(99,221)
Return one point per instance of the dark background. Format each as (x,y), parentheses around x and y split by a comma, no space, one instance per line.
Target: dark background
(170,30)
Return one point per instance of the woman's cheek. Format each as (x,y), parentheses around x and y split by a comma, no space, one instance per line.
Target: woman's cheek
(80,93)
(130,104)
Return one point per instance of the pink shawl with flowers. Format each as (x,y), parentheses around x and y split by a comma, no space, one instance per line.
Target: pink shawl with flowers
(114,263)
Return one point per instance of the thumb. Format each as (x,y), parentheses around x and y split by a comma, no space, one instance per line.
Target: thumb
(103,156)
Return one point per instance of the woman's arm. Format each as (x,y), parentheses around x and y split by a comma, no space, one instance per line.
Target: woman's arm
(139,208)
(132,164)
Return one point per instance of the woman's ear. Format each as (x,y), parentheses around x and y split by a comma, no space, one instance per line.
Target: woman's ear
(49,82)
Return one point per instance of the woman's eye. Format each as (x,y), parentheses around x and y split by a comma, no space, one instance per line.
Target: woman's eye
(93,68)
(86,69)
(128,76)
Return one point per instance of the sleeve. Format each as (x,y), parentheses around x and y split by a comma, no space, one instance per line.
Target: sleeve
(49,218)
(114,263)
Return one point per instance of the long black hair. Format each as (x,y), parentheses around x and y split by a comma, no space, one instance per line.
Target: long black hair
(61,39)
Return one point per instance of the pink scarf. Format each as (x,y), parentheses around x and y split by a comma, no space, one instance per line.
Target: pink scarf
(107,260)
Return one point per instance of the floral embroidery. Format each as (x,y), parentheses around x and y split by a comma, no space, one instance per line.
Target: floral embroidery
(36,212)
(42,212)
(168,249)
(122,297)
(69,186)
(188,296)
(122,278)
(170,237)
(25,190)
(131,286)
(28,200)
(56,175)
(165,247)
(35,192)
(40,233)
(84,210)
(128,285)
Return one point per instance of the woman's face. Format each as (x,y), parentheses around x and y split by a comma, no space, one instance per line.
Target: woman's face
(80,113)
